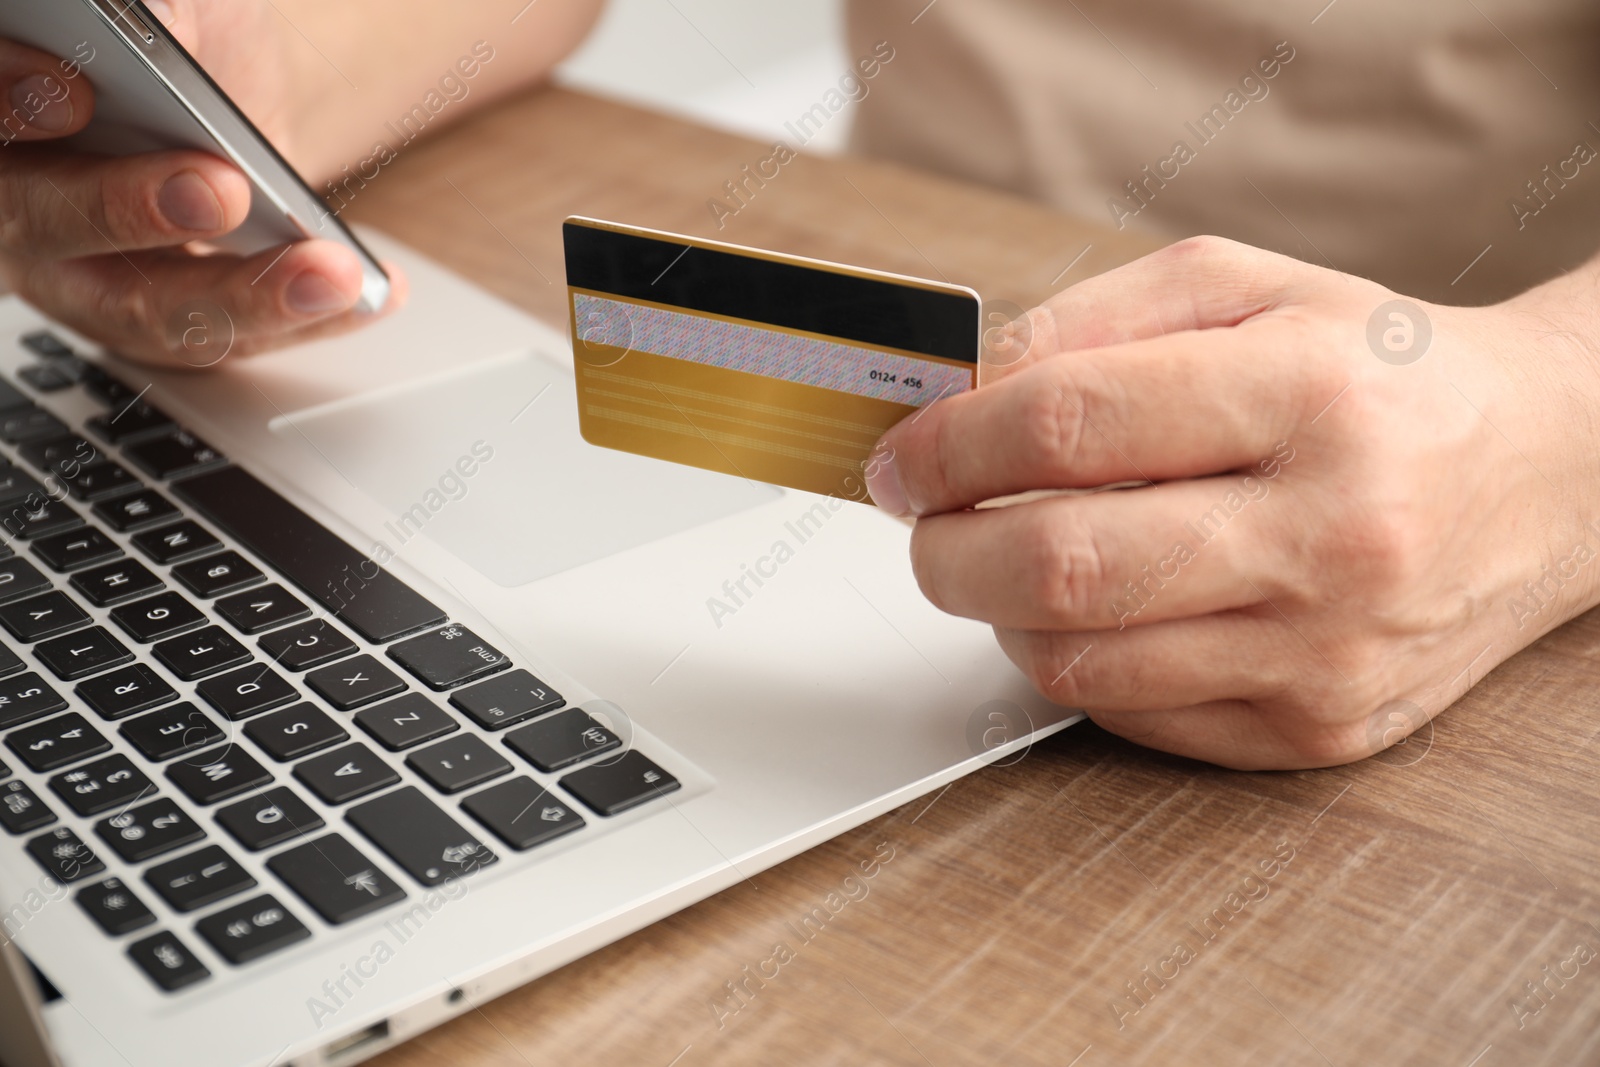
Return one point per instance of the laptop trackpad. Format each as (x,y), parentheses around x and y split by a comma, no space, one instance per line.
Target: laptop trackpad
(489,463)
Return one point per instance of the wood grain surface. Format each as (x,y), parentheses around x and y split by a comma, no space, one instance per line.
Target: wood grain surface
(1090,903)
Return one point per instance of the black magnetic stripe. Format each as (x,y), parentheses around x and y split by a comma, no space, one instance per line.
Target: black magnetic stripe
(866,310)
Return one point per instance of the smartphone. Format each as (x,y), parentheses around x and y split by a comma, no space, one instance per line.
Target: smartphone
(151,95)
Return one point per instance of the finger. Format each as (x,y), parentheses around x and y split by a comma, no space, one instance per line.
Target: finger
(45,96)
(1180,406)
(61,205)
(1109,560)
(1237,734)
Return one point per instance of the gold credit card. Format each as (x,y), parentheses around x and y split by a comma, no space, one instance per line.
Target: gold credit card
(769,367)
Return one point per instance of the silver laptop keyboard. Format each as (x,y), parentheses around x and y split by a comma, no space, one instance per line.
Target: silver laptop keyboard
(221,602)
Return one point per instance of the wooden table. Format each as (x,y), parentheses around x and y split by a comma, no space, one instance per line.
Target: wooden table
(1031,913)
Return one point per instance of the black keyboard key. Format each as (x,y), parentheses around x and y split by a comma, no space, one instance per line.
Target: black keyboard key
(203,652)
(18,489)
(25,698)
(130,419)
(114,583)
(346,773)
(562,740)
(43,344)
(19,425)
(10,662)
(113,906)
(506,699)
(269,819)
(261,609)
(170,732)
(218,773)
(247,691)
(242,933)
(339,883)
(406,721)
(110,782)
(158,617)
(613,787)
(373,602)
(106,389)
(42,616)
(19,578)
(136,511)
(82,653)
(57,742)
(353,682)
(21,809)
(167,963)
(64,856)
(216,575)
(173,544)
(37,517)
(98,481)
(459,763)
(522,813)
(125,692)
(60,455)
(200,878)
(446,658)
(174,455)
(76,548)
(149,830)
(428,845)
(310,644)
(45,378)
(294,732)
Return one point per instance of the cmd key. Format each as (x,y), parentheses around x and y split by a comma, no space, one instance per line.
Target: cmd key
(446,658)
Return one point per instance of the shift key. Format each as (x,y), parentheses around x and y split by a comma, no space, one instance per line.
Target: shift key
(416,834)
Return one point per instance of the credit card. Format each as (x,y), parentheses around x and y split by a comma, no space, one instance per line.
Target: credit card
(765,366)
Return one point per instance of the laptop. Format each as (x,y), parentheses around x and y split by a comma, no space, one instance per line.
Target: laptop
(344,688)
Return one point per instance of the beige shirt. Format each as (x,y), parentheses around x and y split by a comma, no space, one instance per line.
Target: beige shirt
(1395,139)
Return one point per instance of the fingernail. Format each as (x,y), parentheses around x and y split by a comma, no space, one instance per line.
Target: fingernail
(312,294)
(161,10)
(189,204)
(38,99)
(883,482)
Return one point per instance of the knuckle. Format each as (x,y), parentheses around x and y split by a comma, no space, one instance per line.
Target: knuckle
(124,211)
(1068,566)
(1052,428)
(1201,246)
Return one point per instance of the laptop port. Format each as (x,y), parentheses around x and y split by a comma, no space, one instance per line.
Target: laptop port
(361,1042)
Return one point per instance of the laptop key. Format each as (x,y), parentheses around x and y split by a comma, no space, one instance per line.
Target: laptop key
(45,378)
(174,455)
(57,742)
(269,819)
(354,682)
(562,740)
(43,344)
(261,609)
(218,773)
(173,544)
(21,809)
(114,907)
(506,699)
(613,787)
(149,830)
(215,575)
(27,697)
(37,517)
(19,578)
(203,652)
(242,933)
(136,511)
(346,773)
(522,813)
(79,654)
(114,583)
(10,662)
(158,617)
(459,763)
(310,644)
(413,831)
(125,692)
(198,879)
(170,732)
(76,548)
(167,963)
(94,482)
(19,425)
(64,856)
(111,782)
(42,616)
(247,691)
(130,419)
(406,721)
(60,455)
(332,876)
(294,732)
(446,658)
